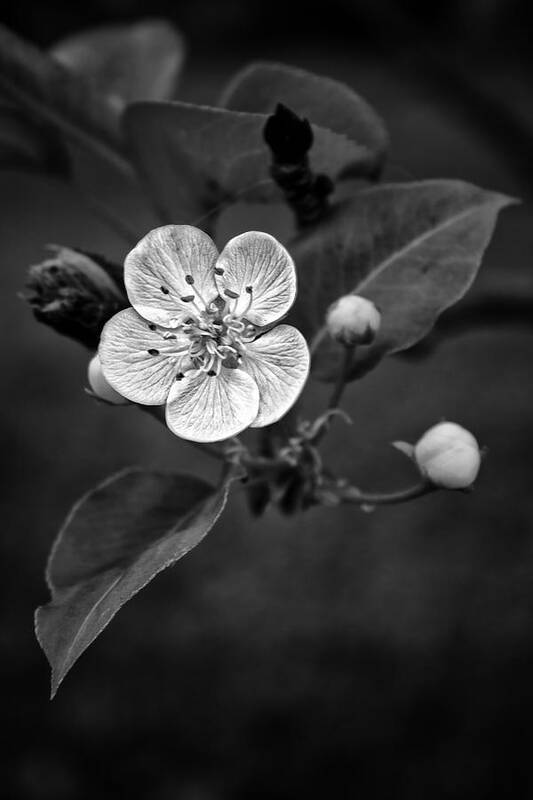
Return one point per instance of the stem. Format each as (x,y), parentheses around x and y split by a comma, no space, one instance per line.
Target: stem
(336,395)
(351,494)
(340,383)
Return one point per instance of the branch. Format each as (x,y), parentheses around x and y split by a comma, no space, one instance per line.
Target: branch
(351,494)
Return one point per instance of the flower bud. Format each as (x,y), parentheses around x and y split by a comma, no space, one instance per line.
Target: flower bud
(100,386)
(448,455)
(75,294)
(353,320)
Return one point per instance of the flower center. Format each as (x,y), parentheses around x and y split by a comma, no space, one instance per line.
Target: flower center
(217,338)
(217,334)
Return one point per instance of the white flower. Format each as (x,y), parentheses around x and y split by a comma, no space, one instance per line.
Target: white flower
(353,320)
(194,339)
(448,455)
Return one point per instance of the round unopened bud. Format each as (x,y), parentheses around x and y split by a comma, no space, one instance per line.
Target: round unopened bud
(100,386)
(448,455)
(353,320)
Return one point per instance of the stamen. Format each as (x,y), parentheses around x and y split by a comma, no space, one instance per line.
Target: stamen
(249,291)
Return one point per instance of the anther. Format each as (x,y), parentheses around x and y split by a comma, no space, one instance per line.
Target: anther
(164,290)
(219,271)
(232,295)
(249,289)
(212,373)
(179,376)
(187,299)
(189,279)
(152,326)
(153,351)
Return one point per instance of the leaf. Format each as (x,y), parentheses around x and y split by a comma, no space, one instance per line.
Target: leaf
(114,541)
(326,102)
(413,249)
(126,62)
(50,95)
(28,147)
(194,158)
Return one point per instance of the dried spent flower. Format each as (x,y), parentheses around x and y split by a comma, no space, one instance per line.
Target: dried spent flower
(353,320)
(74,294)
(195,336)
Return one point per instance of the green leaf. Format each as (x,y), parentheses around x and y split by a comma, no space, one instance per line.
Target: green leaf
(126,62)
(28,147)
(195,158)
(114,541)
(51,95)
(413,249)
(326,102)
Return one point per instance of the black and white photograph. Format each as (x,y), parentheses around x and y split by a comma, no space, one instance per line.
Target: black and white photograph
(267,309)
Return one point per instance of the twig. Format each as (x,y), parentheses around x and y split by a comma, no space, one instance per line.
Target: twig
(351,494)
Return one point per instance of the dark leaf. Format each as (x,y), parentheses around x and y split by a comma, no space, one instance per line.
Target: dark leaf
(29,147)
(326,102)
(413,249)
(195,158)
(141,61)
(51,95)
(114,541)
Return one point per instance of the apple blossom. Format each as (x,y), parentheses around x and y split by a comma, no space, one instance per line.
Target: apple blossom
(200,337)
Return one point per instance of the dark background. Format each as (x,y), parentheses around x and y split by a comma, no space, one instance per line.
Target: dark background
(338,654)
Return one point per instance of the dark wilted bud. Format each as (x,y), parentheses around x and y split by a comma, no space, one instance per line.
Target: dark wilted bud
(290,139)
(289,136)
(75,293)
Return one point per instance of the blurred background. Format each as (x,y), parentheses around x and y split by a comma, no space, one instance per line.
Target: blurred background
(338,654)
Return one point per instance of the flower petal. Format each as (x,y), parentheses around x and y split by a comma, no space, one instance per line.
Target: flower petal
(168,264)
(258,263)
(278,362)
(205,408)
(137,361)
